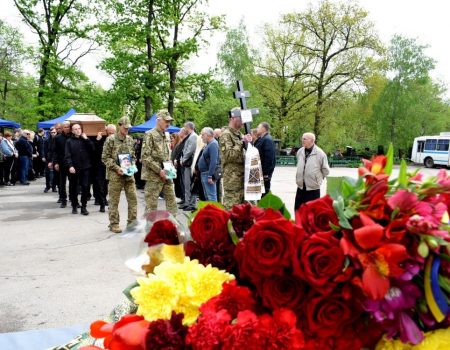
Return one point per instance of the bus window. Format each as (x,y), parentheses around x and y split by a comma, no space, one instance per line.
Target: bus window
(420,145)
(430,145)
(442,145)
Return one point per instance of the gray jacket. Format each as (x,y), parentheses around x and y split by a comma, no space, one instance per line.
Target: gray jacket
(315,169)
(189,147)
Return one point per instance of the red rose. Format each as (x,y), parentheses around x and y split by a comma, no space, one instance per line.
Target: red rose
(282,292)
(162,231)
(267,248)
(329,315)
(315,216)
(321,262)
(210,226)
(243,216)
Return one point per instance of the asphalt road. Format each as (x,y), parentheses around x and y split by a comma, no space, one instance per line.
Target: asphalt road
(58,269)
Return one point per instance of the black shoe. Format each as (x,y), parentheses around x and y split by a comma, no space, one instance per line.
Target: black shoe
(9,184)
(63,205)
(25,183)
(54,190)
(74,210)
(102,209)
(182,206)
(59,200)
(181,203)
(189,208)
(84,211)
(46,190)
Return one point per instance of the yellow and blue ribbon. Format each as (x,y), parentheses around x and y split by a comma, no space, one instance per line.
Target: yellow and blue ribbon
(434,296)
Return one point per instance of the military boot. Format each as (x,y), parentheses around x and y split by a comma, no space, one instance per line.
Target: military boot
(115,228)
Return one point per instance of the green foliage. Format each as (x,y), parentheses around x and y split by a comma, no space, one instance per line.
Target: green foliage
(275,203)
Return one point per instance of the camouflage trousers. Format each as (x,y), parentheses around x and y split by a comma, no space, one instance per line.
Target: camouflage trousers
(152,190)
(233,189)
(115,186)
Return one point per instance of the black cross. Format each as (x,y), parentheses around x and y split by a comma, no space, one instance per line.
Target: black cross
(244,113)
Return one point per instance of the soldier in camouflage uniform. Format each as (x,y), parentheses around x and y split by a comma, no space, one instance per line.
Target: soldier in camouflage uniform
(156,150)
(232,153)
(119,143)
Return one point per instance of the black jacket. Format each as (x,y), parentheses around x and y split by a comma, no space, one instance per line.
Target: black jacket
(59,148)
(24,147)
(79,153)
(266,148)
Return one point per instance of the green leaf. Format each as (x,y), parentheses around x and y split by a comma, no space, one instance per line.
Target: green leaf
(127,291)
(338,206)
(390,160)
(347,189)
(271,201)
(350,212)
(334,227)
(202,204)
(402,176)
(274,202)
(232,233)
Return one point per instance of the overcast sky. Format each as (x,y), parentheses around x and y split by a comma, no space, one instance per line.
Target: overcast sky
(428,21)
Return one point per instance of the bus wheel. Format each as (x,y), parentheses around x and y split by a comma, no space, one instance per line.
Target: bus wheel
(429,162)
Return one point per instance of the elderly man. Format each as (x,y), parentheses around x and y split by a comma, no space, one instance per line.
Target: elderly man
(312,168)
(207,164)
(156,152)
(119,143)
(186,163)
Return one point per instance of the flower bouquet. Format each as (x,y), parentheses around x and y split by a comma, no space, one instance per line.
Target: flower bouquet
(368,268)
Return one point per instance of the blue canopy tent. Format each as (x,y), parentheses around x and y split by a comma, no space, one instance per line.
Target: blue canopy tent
(8,124)
(49,123)
(150,124)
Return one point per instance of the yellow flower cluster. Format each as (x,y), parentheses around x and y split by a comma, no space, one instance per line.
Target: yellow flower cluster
(434,340)
(180,287)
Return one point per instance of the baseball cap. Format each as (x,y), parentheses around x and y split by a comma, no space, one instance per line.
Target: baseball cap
(125,122)
(164,114)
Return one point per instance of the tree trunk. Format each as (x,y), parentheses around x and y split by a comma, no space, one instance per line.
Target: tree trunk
(172,88)
(150,66)
(318,112)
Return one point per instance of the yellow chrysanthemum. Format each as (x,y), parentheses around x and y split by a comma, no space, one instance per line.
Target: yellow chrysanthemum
(434,340)
(181,287)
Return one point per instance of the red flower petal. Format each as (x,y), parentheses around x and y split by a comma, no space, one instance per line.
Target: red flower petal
(98,331)
(370,236)
(394,254)
(375,285)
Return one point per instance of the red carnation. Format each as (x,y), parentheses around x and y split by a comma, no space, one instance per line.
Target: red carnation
(244,334)
(207,332)
(233,299)
(166,334)
(162,231)
(315,216)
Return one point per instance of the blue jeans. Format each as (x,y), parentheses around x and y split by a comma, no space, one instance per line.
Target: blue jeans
(24,163)
(209,189)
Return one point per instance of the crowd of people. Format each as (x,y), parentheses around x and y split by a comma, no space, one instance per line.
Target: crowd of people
(187,165)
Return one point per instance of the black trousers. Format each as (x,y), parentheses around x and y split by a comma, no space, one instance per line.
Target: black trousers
(304,196)
(99,184)
(80,178)
(62,183)
(8,169)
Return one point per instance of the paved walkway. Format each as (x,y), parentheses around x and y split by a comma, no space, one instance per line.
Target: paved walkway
(58,269)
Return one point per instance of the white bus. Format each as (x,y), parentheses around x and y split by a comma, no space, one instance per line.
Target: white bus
(432,150)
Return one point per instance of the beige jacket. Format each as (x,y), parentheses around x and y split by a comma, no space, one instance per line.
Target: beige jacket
(315,170)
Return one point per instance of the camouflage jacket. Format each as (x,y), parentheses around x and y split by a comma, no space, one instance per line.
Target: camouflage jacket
(115,145)
(155,151)
(231,148)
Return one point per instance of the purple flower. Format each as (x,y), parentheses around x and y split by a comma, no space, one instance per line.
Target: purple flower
(393,312)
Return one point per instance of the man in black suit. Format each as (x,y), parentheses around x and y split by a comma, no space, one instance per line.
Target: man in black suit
(266,148)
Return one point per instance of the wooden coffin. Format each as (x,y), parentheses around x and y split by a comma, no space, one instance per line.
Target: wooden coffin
(90,123)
